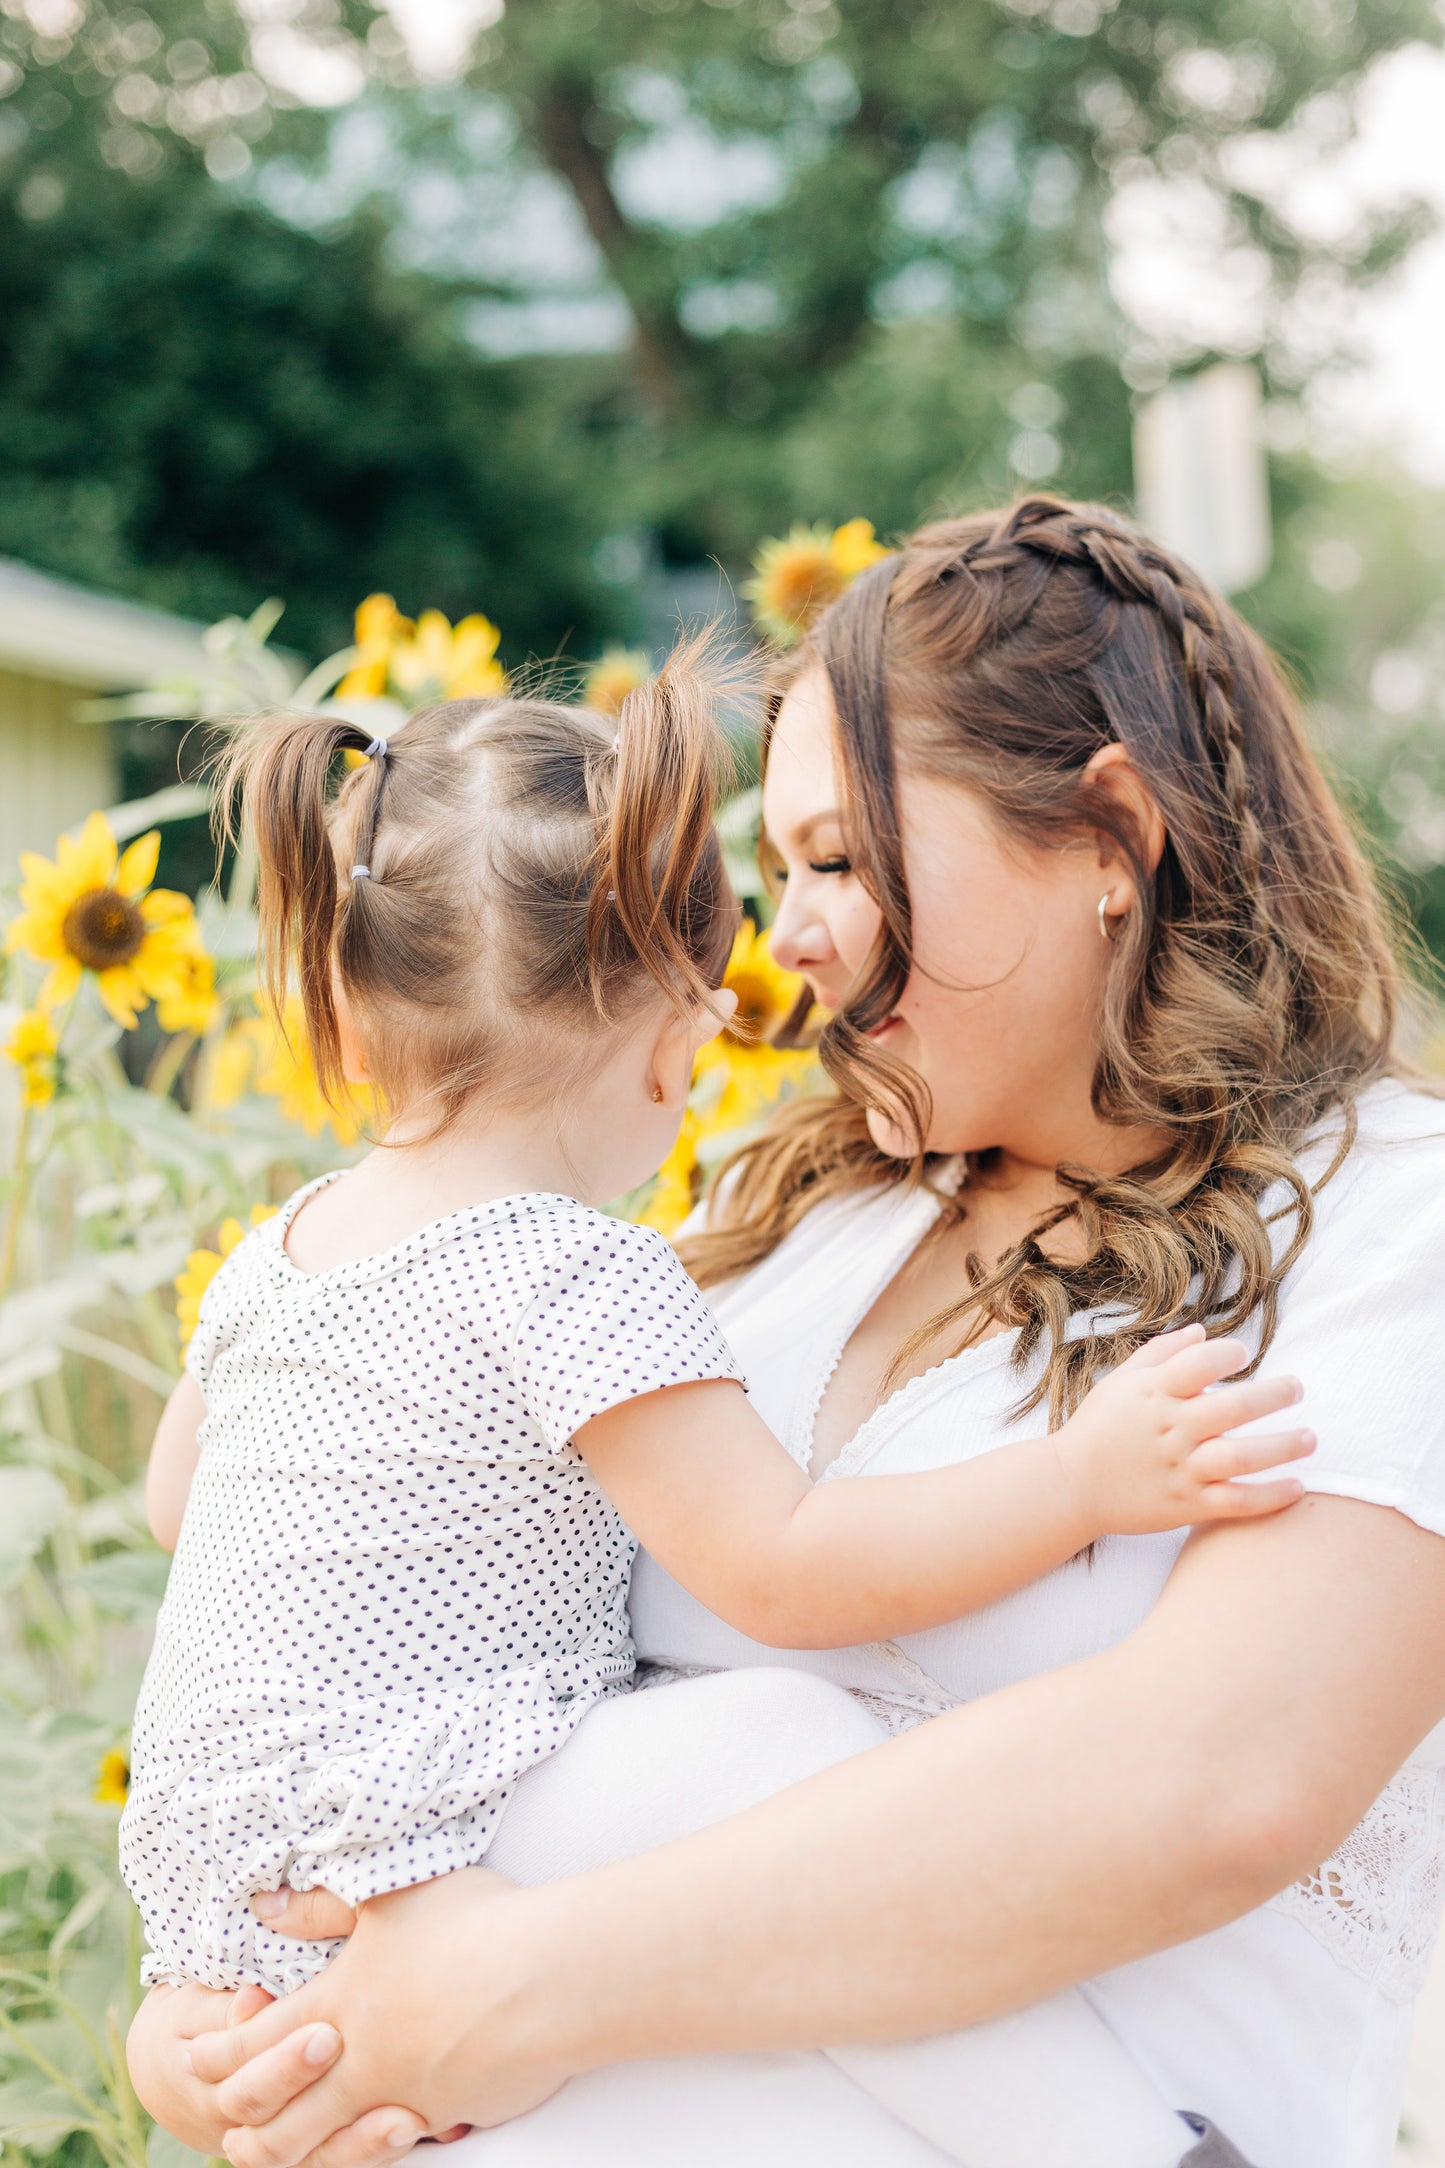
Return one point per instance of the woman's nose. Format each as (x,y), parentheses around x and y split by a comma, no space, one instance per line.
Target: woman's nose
(799,938)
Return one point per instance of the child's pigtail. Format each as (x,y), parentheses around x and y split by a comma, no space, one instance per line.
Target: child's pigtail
(659,877)
(280,769)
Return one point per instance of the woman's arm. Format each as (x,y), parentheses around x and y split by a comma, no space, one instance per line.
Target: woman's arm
(703,1483)
(172,1464)
(1031,1839)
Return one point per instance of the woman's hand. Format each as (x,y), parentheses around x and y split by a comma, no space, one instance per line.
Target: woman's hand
(188,2105)
(480,2054)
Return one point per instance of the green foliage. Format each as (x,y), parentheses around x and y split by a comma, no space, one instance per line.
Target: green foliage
(201,404)
(112,1184)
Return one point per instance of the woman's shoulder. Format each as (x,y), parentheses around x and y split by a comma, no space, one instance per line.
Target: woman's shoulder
(1387,1186)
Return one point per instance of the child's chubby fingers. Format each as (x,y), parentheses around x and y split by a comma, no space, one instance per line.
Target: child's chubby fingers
(1164,1345)
(1207,1415)
(216,2055)
(1245,1501)
(1219,1460)
(1203,1362)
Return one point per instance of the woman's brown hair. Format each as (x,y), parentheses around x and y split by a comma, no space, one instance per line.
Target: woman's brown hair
(1252,993)
(500,874)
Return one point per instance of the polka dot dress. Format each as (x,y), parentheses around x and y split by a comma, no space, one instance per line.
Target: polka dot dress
(398,1585)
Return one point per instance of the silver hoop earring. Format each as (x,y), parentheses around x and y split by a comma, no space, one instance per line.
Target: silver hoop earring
(1103,916)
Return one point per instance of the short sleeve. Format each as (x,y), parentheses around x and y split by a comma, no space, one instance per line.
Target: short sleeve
(1361,1318)
(222,1305)
(614,1316)
(205,1341)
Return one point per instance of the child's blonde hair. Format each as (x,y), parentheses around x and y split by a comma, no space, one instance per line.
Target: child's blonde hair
(529,865)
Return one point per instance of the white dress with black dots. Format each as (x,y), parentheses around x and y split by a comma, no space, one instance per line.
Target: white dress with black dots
(398,1585)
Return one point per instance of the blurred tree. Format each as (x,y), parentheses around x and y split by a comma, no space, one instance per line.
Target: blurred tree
(861,242)
(200,403)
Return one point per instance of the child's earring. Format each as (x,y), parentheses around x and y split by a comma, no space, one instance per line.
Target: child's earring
(657,1095)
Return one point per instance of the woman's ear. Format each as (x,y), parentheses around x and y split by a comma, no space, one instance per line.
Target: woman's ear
(1113,772)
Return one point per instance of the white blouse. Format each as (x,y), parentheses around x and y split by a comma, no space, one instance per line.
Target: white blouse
(1290,2027)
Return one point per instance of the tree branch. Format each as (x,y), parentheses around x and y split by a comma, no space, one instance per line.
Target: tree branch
(661,347)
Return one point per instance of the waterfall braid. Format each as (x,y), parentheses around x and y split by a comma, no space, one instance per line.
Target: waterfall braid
(1253,993)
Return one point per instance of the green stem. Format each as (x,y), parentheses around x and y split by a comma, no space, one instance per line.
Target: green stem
(169,1062)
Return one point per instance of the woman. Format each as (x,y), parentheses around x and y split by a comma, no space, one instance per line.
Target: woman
(1115,1048)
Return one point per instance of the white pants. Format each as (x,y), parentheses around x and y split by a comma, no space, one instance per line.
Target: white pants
(1048,2088)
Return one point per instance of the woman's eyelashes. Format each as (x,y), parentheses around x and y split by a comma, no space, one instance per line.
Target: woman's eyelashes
(830,865)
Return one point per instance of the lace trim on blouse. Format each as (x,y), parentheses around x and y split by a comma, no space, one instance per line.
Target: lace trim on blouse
(1376,1903)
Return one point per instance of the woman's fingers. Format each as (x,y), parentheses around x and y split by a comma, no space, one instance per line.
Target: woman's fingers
(311,1915)
(314,2121)
(1229,1406)
(267,2084)
(380,2136)
(1220,1459)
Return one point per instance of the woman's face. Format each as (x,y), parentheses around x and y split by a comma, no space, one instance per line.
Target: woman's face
(1000,1013)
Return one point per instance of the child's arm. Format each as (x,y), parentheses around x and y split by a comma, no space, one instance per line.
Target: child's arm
(173,1461)
(703,1483)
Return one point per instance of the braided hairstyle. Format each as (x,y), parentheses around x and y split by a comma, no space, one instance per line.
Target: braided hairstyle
(1253,993)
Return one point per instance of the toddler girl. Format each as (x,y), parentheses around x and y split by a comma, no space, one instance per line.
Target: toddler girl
(433,1404)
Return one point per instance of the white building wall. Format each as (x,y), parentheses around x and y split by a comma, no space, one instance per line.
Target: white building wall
(53,769)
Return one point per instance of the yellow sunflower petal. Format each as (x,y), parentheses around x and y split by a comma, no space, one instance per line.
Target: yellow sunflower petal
(364,681)
(88,860)
(122,993)
(137,868)
(378,620)
(165,907)
(855,547)
(61,983)
(38,935)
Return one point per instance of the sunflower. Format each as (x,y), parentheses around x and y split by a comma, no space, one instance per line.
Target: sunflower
(284,1070)
(192,1004)
(430,659)
(619,671)
(379,627)
(738,1078)
(798,576)
(195,1277)
(112,1784)
(33,1046)
(766,992)
(93,909)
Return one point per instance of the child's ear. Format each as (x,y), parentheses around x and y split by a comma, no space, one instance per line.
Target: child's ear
(353,1054)
(677,1042)
(722,1007)
(669,1068)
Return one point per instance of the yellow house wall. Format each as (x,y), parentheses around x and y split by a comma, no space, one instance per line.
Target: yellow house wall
(53,769)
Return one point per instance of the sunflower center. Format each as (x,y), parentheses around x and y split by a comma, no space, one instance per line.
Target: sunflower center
(757,1007)
(102,929)
(807,584)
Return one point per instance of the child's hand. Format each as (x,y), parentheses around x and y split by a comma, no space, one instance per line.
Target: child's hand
(1147,1450)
